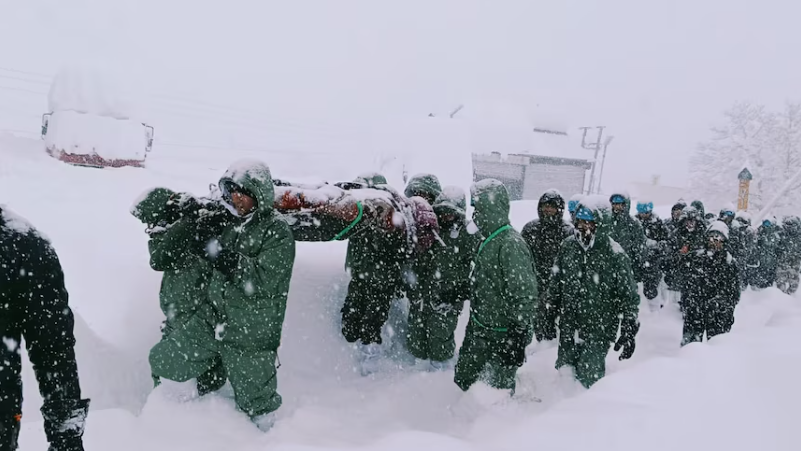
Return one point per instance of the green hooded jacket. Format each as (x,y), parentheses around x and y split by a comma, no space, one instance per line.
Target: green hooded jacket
(504,284)
(424,185)
(184,284)
(628,232)
(253,299)
(375,254)
(593,287)
(454,252)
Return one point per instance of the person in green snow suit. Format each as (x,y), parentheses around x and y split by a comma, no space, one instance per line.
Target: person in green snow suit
(426,186)
(503,298)
(252,263)
(593,290)
(628,232)
(375,260)
(544,237)
(432,320)
(176,225)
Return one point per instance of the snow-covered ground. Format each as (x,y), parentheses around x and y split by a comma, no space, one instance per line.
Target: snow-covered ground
(737,393)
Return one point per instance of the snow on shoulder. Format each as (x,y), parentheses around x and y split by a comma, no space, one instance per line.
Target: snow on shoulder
(255,169)
(719,227)
(13,222)
(616,247)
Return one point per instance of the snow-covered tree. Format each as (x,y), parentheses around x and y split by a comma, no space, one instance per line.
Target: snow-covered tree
(768,143)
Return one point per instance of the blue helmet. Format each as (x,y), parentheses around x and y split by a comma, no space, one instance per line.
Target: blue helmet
(585,214)
(645,207)
(617,199)
(572,205)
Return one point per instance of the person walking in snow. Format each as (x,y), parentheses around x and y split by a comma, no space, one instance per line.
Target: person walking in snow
(742,222)
(544,237)
(712,290)
(656,237)
(251,263)
(672,224)
(432,320)
(736,243)
(787,274)
(180,228)
(375,260)
(767,254)
(34,305)
(594,291)
(698,205)
(686,239)
(503,297)
(627,232)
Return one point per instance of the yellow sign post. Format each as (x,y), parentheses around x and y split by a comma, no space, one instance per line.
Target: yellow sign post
(745,184)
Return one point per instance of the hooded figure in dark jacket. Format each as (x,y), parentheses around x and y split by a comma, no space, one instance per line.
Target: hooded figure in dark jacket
(627,232)
(688,237)
(34,306)
(656,236)
(768,252)
(594,293)
(787,275)
(544,237)
(712,290)
(672,223)
(433,317)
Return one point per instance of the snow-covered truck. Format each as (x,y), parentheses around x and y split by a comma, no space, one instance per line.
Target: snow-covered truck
(90,123)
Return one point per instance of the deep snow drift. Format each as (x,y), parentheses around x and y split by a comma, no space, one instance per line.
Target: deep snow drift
(737,392)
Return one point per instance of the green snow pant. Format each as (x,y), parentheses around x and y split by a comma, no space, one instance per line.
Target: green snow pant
(193,352)
(366,309)
(431,327)
(587,357)
(479,360)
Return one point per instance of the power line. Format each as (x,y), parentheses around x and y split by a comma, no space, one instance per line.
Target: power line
(26,80)
(17,71)
(23,90)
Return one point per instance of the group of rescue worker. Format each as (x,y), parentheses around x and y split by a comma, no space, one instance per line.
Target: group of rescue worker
(227,265)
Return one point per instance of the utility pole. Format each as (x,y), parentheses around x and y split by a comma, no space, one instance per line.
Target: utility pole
(596,147)
(603,161)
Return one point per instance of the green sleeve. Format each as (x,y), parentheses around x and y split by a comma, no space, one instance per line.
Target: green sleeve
(626,288)
(521,282)
(267,274)
(168,249)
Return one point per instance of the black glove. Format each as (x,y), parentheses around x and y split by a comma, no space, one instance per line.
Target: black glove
(9,431)
(628,330)
(226,261)
(189,206)
(64,423)
(546,322)
(514,352)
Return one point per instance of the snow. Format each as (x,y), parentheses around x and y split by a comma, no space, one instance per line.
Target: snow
(86,134)
(596,202)
(248,167)
(616,247)
(89,89)
(14,222)
(720,227)
(735,393)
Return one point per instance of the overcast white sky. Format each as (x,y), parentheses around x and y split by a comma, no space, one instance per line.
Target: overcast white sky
(657,73)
